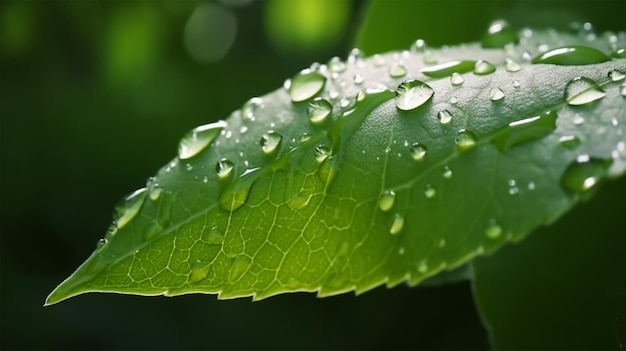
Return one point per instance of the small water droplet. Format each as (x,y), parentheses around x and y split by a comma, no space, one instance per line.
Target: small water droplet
(531,186)
(444,116)
(582,90)
(493,230)
(397,71)
(496,94)
(447,172)
(418,46)
(516,84)
(101,243)
(306,85)
(379,60)
(619,53)
(386,200)
(270,142)
(465,140)
(344,103)
(447,69)
(483,67)
(513,189)
(128,207)
(456,79)
(572,55)
(224,168)
(616,75)
(336,65)
(423,267)
(512,65)
(498,35)
(418,151)
(212,235)
(198,139)
(358,79)
(569,141)
(454,100)
(199,270)
(249,108)
(442,242)
(319,110)
(584,174)
(430,191)
(322,152)
(240,265)
(412,94)
(401,251)
(397,225)
(155,192)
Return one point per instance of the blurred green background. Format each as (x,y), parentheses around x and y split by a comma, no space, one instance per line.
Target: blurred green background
(94,96)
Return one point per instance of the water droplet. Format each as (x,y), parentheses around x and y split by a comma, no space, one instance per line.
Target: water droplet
(430,191)
(224,168)
(454,100)
(465,140)
(306,85)
(512,65)
(212,235)
(582,90)
(524,130)
(619,53)
(240,265)
(423,267)
(236,193)
(401,251)
(442,242)
(152,231)
(379,60)
(493,230)
(483,67)
(584,174)
(198,139)
(412,94)
(322,152)
(572,55)
(344,103)
(188,167)
(318,111)
(496,94)
(397,225)
(358,79)
(578,120)
(249,108)
(444,116)
(448,68)
(270,142)
(456,79)
(199,270)
(418,46)
(516,84)
(616,75)
(447,172)
(513,189)
(128,207)
(622,90)
(418,151)
(155,192)
(499,35)
(336,65)
(397,71)
(100,244)
(569,141)
(386,200)
(327,171)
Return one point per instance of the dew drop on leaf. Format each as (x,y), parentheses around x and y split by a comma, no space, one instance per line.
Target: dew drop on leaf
(498,35)
(224,168)
(512,65)
(213,235)
(270,142)
(418,46)
(155,192)
(456,79)
(619,53)
(447,172)
(318,111)
(496,94)
(616,75)
(358,79)
(493,230)
(336,65)
(418,151)
(397,71)
(430,191)
(483,67)
(321,153)
(582,90)
(524,130)
(199,271)
(248,109)
(465,139)
(198,139)
(444,116)
(422,267)
(516,84)
(397,225)
(379,60)
(101,243)
(448,69)
(128,207)
(236,193)
(412,94)
(569,141)
(572,55)
(386,200)
(152,231)
(306,85)
(240,265)
(584,174)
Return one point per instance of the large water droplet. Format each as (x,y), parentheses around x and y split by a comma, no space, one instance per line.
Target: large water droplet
(496,94)
(499,35)
(240,265)
(386,200)
(483,67)
(236,193)
(582,90)
(465,140)
(572,55)
(584,174)
(493,230)
(397,71)
(199,270)
(456,79)
(448,68)
(270,142)
(198,139)
(444,116)
(224,168)
(412,94)
(524,130)
(306,85)
(128,207)
(397,225)
(213,235)
(318,111)
(418,151)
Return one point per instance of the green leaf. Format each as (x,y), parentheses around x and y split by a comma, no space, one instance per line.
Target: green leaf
(337,183)
(565,286)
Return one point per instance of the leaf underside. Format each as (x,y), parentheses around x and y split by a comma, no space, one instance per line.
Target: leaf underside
(372,194)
